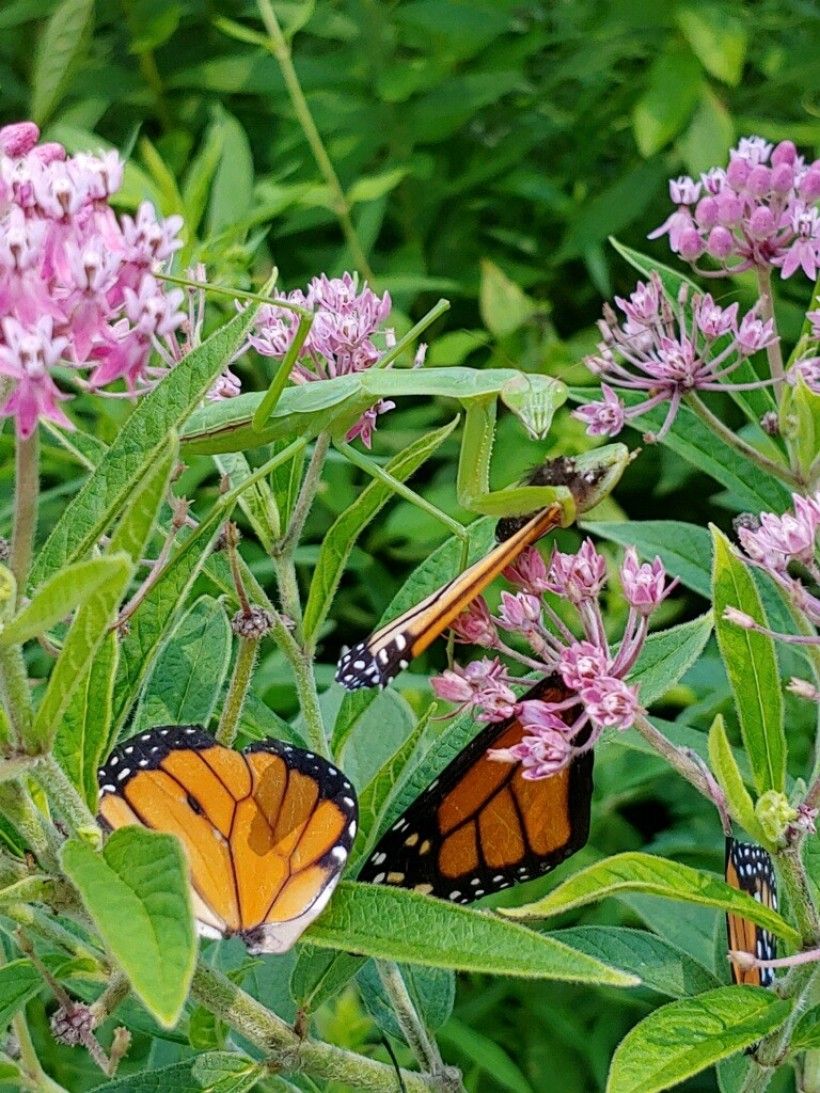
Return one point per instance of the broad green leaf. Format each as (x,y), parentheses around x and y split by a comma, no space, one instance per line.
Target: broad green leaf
(710,133)
(177,1078)
(339,540)
(485,1054)
(186,680)
(141,439)
(684,1037)
(19,981)
(806,1035)
(667,104)
(800,421)
(200,174)
(637,872)
(751,665)
(659,964)
(227,1072)
(684,549)
(63,42)
(431,989)
(504,305)
(668,655)
(319,974)
(232,190)
(373,187)
(717,37)
(731,782)
(58,597)
(138,896)
(133,532)
(84,734)
(83,640)
(441,566)
(395,924)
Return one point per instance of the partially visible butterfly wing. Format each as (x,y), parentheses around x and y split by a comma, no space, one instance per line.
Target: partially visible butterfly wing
(266,832)
(378,659)
(749,868)
(480,826)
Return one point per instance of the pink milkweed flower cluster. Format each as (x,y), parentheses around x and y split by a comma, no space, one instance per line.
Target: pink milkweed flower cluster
(667,352)
(346,320)
(77,284)
(757,212)
(594,672)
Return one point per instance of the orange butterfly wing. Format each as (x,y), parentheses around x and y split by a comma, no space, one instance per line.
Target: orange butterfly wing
(749,869)
(266,831)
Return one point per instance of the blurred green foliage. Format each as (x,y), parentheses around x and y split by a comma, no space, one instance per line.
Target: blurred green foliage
(486,149)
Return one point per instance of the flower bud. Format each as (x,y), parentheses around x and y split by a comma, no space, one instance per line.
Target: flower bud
(19,138)
(730,208)
(706,212)
(784,152)
(782,178)
(759,181)
(720,243)
(809,186)
(690,244)
(762,223)
(737,172)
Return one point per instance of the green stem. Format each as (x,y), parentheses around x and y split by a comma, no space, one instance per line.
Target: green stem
(412,334)
(62,793)
(730,438)
(282,374)
(38,834)
(800,986)
(38,1078)
(289,1051)
(675,757)
(801,901)
(237,691)
(280,49)
(234,293)
(15,694)
(309,704)
(774,351)
(26,492)
(307,493)
(421,1043)
(114,994)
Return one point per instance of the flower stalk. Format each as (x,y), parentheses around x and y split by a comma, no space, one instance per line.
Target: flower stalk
(26,495)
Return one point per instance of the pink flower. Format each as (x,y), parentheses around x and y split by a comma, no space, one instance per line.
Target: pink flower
(807,369)
(611,703)
(528,571)
(804,250)
(26,358)
(582,663)
(645,585)
(541,754)
(714,321)
(754,334)
(577,577)
(19,138)
(519,612)
(483,684)
(605,418)
(475,625)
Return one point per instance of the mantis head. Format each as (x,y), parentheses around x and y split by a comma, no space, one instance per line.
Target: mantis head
(533,399)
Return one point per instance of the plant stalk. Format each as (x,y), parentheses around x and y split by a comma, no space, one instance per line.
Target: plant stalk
(237,691)
(62,792)
(732,440)
(26,494)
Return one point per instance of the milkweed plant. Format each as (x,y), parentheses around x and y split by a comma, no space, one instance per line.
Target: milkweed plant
(177,554)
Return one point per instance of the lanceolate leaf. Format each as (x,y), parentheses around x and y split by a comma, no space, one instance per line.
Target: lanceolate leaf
(63,41)
(685,1037)
(133,533)
(338,542)
(727,772)
(636,872)
(668,655)
(138,896)
(144,435)
(396,924)
(751,665)
(19,981)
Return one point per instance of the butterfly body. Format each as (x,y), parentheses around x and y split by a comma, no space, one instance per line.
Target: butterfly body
(480,826)
(266,831)
(749,868)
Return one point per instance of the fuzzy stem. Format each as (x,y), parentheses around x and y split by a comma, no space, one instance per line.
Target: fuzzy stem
(800,986)
(61,792)
(26,492)
(113,996)
(288,1050)
(307,493)
(280,49)
(38,833)
(15,694)
(774,352)
(237,691)
(676,757)
(801,902)
(422,1044)
(37,1077)
(732,440)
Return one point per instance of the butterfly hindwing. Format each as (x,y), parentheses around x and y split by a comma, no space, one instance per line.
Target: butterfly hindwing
(266,831)
(481,826)
(749,868)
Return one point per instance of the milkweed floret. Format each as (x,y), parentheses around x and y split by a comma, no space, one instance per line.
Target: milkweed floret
(77,284)
(599,695)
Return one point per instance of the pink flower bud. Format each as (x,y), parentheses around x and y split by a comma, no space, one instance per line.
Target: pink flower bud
(520,612)
(578,577)
(809,186)
(762,223)
(739,618)
(684,190)
(782,178)
(611,703)
(803,689)
(476,626)
(784,153)
(644,584)
(730,209)
(582,663)
(706,212)
(19,138)
(759,181)
(720,243)
(737,172)
(529,571)
(690,244)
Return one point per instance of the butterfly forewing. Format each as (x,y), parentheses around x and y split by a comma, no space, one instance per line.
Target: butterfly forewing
(749,868)
(266,831)
(481,826)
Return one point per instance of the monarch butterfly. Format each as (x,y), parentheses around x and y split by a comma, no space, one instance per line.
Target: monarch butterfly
(480,826)
(378,659)
(266,831)
(749,869)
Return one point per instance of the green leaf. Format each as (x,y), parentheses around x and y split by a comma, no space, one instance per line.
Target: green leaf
(258,502)
(659,964)
(751,665)
(667,656)
(62,44)
(232,190)
(84,734)
(730,779)
(482,1052)
(800,421)
(142,438)
(667,104)
(227,1072)
(138,896)
(59,596)
(504,306)
(709,136)
(684,549)
(185,683)
(319,974)
(375,186)
(339,540)
(19,981)
(806,1035)
(684,1037)
(431,989)
(177,1078)
(133,532)
(84,638)
(718,39)
(637,872)
(395,924)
